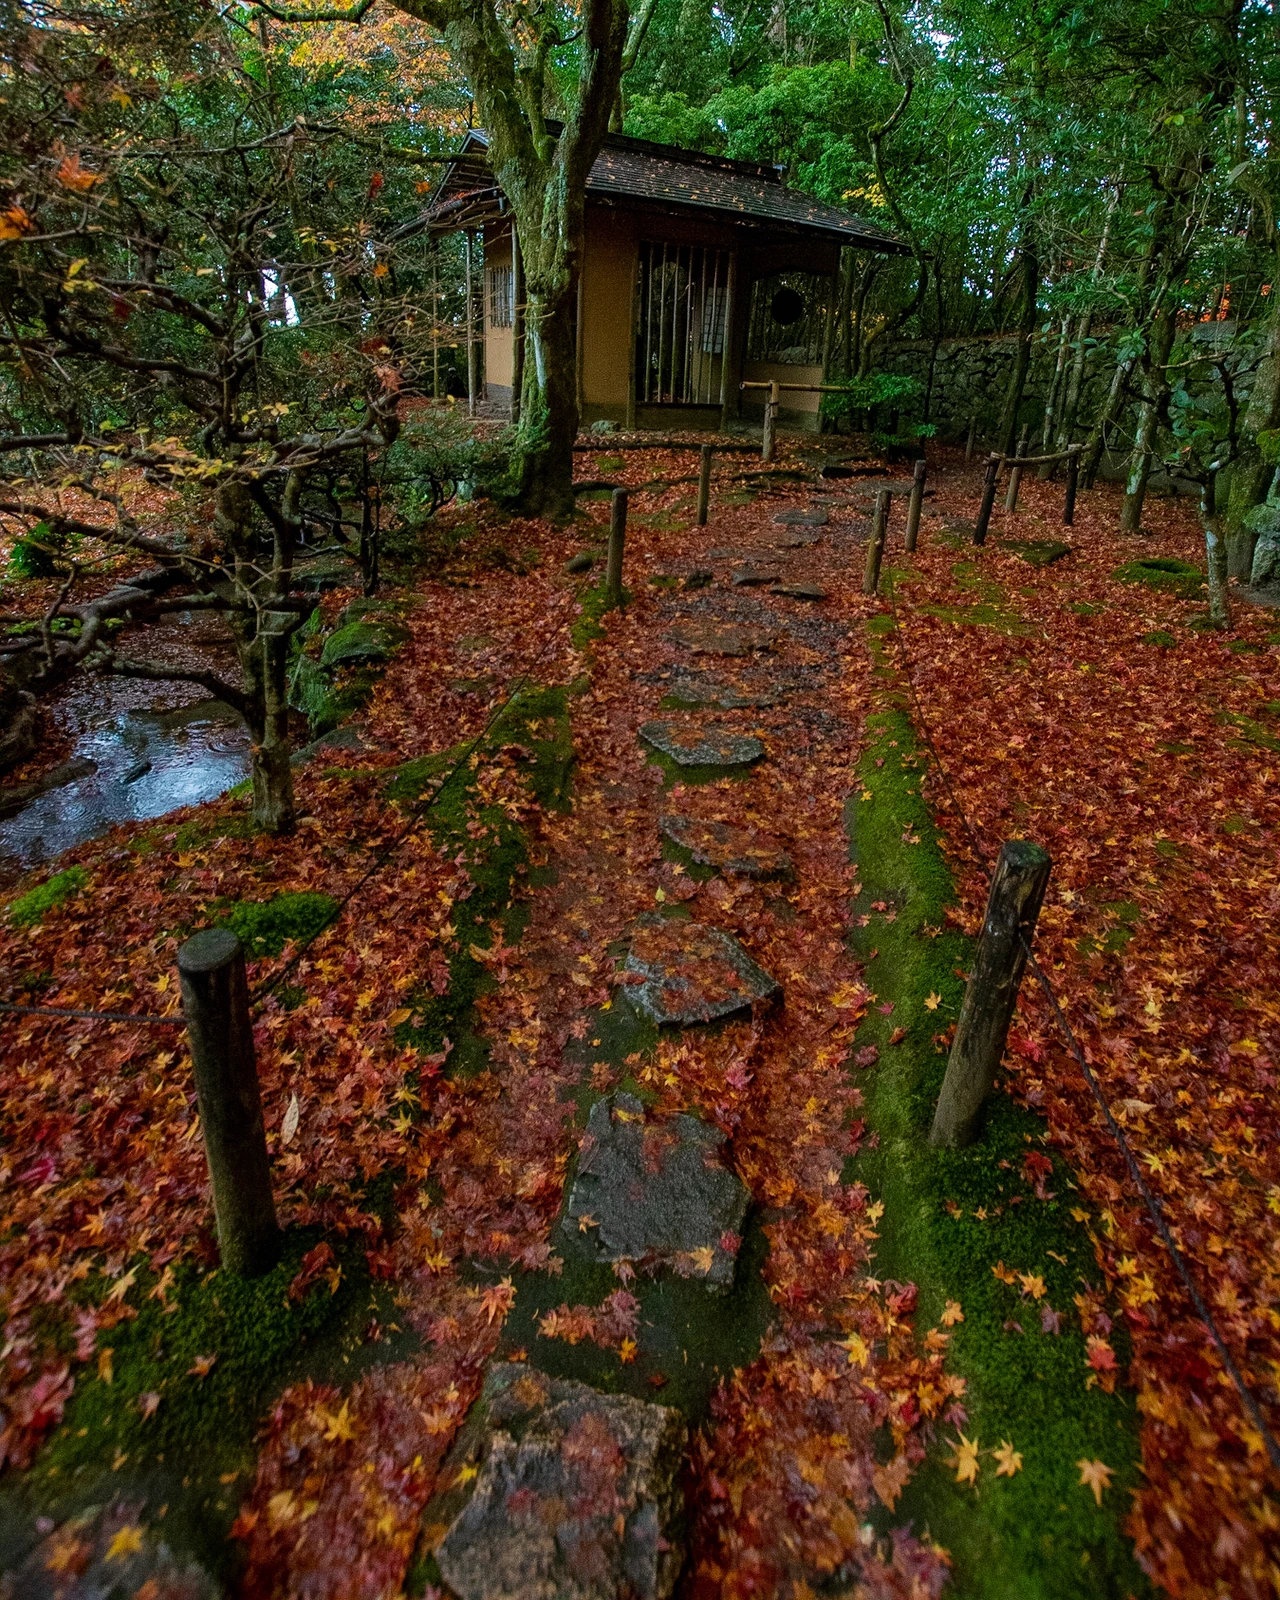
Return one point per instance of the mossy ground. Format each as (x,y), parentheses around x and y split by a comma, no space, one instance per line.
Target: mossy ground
(264,927)
(195,1454)
(1164,573)
(30,908)
(951,1217)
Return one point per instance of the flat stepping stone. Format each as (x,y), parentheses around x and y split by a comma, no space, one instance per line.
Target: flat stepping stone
(701,747)
(695,689)
(656,1191)
(558,1490)
(802,517)
(726,848)
(800,590)
(795,541)
(720,638)
(750,577)
(104,1552)
(731,552)
(689,973)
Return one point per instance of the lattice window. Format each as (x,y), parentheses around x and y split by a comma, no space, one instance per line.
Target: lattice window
(500,287)
(683,297)
(788,318)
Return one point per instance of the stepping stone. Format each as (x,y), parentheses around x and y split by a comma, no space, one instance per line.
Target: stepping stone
(699,578)
(731,552)
(656,1191)
(701,747)
(749,577)
(795,541)
(689,973)
(86,1558)
(558,1490)
(800,590)
(696,689)
(726,848)
(800,517)
(720,638)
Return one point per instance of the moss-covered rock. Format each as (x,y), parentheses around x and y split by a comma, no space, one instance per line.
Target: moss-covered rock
(1165,573)
(264,927)
(362,643)
(35,905)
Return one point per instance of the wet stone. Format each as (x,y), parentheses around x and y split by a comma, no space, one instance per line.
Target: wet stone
(720,638)
(563,1492)
(699,578)
(700,689)
(730,552)
(795,541)
(682,973)
(726,848)
(799,590)
(104,1552)
(748,577)
(701,747)
(657,1192)
(802,517)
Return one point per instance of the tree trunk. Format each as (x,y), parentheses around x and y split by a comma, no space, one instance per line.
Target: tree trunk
(1022,356)
(1154,392)
(548,406)
(1216,553)
(1251,476)
(1075,382)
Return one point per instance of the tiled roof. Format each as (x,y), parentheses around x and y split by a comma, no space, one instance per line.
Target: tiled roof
(634,170)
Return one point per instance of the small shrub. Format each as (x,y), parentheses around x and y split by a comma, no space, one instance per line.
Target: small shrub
(32,907)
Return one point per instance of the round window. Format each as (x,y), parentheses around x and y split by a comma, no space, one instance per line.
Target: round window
(786,307)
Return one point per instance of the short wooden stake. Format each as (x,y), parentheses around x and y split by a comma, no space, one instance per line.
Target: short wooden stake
(215,1002)
(1015,475)
(617,545)
(768,445)
(704,485)
(1069,493)
(875,545)
(968,444)
(1017,890)
(914,505)
(988,499)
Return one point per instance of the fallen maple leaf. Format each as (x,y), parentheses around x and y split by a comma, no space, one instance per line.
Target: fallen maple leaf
(202,1366)
(932,1001)
(965,1460)
(149,1403)
(627,1351)
(1005,1274)
(498,1300)
(1095,1475)
(889,1481)
(1008,1460)
(126,1541)
(952,1314)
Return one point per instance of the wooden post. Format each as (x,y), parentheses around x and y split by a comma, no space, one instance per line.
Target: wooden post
(1069,494)
(1013,905)
(727,391)
(968,444)
(215,1002)
(875,544)
(704,485)
(768,445)
(1015,475)
(915,504)
(629,416)
(471,331)
(579,344)
(517,324)
(435,323)
(988,498)
(617,545)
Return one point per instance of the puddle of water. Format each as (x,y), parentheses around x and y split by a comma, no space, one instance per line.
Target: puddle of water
(146,763)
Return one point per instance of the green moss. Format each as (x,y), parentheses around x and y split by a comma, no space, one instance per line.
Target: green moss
(362,642)
(982,615)
(202,831)
(36,904)
(1037,552)
(1250,731)
(1037,1535)
(610,463)
(1164,573)
(264,927)
(693,777)
(1159,637)
(203,1429)
(593,604)
(494,850)
(1085,608)
(1245,647)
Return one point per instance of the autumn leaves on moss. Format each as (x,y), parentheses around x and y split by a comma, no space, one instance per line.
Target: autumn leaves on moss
(989,1235)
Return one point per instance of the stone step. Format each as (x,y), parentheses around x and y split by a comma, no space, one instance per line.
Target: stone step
(690,973)
(103,1552)
(656,1192)
(802,517)
(741,851)
(555,1490)
(701,747)
(799,589)
(720,638)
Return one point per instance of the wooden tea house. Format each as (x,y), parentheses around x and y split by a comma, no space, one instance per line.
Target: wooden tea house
(698,274)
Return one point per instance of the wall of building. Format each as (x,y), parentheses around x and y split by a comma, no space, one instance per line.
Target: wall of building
(497,363)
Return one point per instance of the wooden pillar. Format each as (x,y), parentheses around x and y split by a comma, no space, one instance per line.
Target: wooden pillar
(728,387)
(632,376)
(215,1002)
(1015,474)
(769,443)
(875,544)
(471,329)
(435,322)
(915,505)
(517,323)
(617,547)
(988,498)
(1013,905)
(704,485)
(1069,493)
(579,342)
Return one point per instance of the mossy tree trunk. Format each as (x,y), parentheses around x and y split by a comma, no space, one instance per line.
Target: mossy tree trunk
(1254,469)
(544,179)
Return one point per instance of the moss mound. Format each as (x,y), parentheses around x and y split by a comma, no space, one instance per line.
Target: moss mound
(36,904)
(1165,573)
(264,927)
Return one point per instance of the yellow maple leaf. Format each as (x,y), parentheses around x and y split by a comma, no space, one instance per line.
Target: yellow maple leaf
(859,1350)
(952,1314)
(1008,1460)
(127,1541)
(1095,1475)
(105,1365)
(1032,1284)
(1005,1274)
(627,1351)
(965,1460)
(932,1001)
